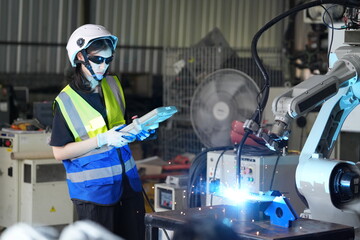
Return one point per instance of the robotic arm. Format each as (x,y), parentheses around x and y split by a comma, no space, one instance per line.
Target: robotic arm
(311,93)
(330,187)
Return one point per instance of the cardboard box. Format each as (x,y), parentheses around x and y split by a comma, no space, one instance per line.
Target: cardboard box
(150,166)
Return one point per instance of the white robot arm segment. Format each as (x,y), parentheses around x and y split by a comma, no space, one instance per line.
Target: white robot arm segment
(311,93)
(330,187)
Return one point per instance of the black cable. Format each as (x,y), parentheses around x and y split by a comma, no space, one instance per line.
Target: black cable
(238,158)
(274,171)
(194,200)
(194,173)
(153,209)
(331,19)
(148,200)
(197,170)
(332,29)
(215,169)
(266,87)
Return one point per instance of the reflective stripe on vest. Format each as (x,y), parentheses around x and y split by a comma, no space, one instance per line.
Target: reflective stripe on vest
(115,103)
(98,173)
(94,174)
(83,120)
(77,127)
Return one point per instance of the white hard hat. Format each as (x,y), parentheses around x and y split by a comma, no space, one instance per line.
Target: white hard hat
(83,36)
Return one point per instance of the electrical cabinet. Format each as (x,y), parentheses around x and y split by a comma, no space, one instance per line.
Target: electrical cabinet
(258,174)
(169,197)
(33,187)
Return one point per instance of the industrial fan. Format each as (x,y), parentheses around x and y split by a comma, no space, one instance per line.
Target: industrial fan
(222,97)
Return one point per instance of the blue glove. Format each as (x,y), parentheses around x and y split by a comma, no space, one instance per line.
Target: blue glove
(132,137)
(115,138)
(143,134)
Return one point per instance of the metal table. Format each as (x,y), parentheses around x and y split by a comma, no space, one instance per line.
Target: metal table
(248,228)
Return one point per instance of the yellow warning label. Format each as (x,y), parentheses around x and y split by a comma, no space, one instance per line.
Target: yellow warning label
(52,209)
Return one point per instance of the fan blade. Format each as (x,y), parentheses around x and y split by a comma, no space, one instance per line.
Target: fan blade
(224,96)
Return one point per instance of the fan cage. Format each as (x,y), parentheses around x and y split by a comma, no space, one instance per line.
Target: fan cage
(185,68)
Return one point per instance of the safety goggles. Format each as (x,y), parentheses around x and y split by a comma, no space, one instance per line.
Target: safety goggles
(100,60)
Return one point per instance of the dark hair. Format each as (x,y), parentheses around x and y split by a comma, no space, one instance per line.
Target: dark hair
(79,81)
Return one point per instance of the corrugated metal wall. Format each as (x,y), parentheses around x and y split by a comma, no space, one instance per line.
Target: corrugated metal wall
(34,32)
(181,23)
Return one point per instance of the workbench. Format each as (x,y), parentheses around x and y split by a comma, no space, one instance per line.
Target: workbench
(248,228)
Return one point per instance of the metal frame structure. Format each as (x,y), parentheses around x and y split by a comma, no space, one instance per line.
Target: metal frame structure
(185,68)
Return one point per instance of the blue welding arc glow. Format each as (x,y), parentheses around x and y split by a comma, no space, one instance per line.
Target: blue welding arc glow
(238,196)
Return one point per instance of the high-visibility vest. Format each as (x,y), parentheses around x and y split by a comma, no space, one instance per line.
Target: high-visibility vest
(97,176)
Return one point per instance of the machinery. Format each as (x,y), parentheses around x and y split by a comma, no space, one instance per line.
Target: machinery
(32,183)
(259,174)
(171,194)
(330,187)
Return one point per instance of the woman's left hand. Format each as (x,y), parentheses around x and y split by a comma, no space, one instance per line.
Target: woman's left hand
(144,134)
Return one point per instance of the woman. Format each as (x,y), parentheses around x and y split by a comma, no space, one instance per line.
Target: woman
(88,116)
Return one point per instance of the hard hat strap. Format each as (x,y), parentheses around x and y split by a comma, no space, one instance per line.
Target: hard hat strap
(87,64)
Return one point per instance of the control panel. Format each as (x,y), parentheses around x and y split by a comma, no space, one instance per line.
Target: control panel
(6,142)
(258,174)
(169,197)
